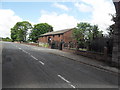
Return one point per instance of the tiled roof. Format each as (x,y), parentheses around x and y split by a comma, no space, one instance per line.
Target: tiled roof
(56,32)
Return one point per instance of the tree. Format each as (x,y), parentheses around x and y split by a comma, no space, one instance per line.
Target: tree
(19,31)
(111,27)
(82,33)
(111,30)
(85,33)
(39,29)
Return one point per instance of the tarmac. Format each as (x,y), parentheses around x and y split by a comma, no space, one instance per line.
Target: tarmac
(82,59)
(88,61)
(79,58)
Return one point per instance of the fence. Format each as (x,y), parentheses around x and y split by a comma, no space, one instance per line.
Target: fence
(100,49)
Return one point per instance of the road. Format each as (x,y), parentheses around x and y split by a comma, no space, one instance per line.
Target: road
(23,66)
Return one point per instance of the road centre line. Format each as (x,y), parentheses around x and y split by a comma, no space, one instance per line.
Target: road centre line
(64,79)
(41,62)
(31,56)
(24,51)
(34,57)
(72,86)
(69,83)
(28,53)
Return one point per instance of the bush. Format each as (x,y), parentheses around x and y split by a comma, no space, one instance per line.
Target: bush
(98,44)
(7,39)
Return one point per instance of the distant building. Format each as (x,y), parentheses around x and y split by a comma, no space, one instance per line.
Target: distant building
(65,35)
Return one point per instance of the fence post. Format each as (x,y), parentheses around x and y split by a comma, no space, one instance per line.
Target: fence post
(77,46)
(68,46)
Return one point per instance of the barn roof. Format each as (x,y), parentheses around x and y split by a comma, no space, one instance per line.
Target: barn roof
(56,32)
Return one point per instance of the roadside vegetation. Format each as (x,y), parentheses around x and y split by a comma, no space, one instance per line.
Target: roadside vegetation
(85,33)
(88,37)
(7,39)
(39,29)
(44,45)
(91,38)
(21,30)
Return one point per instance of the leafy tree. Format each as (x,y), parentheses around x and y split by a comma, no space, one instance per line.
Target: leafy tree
(112,27)
(84,33)
(111,30)
(39,29)
(13,34)
(19,31)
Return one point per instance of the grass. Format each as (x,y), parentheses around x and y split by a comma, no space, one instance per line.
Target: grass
(79,49)
(44,45)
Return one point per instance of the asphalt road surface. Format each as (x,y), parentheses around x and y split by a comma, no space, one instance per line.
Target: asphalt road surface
(25,67)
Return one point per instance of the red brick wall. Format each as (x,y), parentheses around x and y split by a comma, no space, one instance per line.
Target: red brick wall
(58,38)
(66,37)
(43,39)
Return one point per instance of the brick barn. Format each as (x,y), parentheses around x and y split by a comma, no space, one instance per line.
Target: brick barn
(57,36)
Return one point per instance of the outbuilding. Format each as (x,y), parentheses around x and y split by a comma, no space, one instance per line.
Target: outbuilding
(64,35)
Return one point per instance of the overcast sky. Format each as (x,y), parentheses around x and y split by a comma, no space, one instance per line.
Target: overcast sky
(60,15)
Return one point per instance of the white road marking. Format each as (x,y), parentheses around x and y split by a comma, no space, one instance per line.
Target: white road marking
(41,62)
(29,54)
(63,79)
(72,86)
(24,51)
(69,83)
(34,57)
